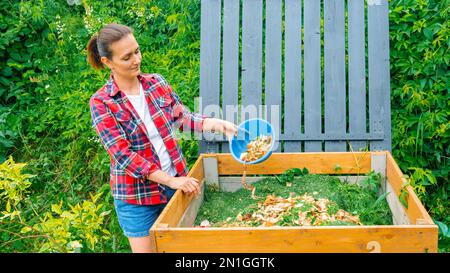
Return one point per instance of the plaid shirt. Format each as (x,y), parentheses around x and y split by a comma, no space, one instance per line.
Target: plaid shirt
(124,136)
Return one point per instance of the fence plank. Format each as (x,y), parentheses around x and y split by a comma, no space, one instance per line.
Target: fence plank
(293,73)
(334,72)
(230,57)
(312,93)
(273,65)
(251,58)
(334,69)
(210,61)
(379,84)
(356,71)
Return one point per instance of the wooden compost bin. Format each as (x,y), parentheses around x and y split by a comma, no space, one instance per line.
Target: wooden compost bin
(413,229)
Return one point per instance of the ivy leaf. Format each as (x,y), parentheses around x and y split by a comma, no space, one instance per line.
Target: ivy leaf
(7,71)
(428,33)
(403,197)
(297,171)
(443,229)
(305,171)
(431,178)
(422,83)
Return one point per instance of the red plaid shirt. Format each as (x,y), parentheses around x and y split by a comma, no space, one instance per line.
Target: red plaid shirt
(124,136)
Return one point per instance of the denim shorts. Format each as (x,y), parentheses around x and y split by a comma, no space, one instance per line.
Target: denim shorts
(136,220)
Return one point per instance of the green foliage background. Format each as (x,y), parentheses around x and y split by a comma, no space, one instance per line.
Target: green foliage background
(45,86)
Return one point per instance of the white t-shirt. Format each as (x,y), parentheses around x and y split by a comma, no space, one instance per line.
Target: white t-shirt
(140,105)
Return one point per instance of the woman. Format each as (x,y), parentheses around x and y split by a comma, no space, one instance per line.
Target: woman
(135,115)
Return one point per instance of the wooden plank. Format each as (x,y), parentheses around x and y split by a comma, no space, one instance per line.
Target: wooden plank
(415,211)
(394,174)
(209,61)
(273,65)
(153,241)
(234,183)
(188,218)
(251,58)
(293,73)
(230,75)
(312,83)
(378,165)
(299,239)
(399,216)
(334,72)
(320,163)
(211,171)
(379,77)
(177,205)
(356,72)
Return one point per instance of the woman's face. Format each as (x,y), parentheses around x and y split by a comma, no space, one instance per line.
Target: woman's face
(126,57)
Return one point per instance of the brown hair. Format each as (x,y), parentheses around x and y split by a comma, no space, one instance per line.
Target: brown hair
(100,43)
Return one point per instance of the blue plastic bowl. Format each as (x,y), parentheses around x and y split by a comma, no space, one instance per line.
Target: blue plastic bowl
(254,127)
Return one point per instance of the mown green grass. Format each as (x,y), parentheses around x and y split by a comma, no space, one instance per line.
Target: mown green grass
(219,205)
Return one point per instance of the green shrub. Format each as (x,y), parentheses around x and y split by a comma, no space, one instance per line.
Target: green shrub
(420,39)
(80,228)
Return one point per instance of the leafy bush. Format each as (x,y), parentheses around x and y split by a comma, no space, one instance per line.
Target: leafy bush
(70,231)
(13,187)
(420,40)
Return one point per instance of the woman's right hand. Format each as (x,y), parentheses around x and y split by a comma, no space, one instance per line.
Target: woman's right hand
(188,185)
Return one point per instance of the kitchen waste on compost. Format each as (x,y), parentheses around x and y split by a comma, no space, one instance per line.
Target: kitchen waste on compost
(287,200)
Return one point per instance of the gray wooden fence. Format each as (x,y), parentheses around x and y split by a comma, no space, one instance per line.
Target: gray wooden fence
(320,68)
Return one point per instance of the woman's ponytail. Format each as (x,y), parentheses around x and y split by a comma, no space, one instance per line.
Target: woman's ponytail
(93,53)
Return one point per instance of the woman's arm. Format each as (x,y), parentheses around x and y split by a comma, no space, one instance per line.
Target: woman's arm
(188,185)
(183,118)
(227,128)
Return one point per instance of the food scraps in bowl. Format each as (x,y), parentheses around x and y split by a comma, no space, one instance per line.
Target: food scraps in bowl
(257,148)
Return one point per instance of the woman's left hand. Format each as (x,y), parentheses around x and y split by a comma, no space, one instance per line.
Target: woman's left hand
(227,128)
